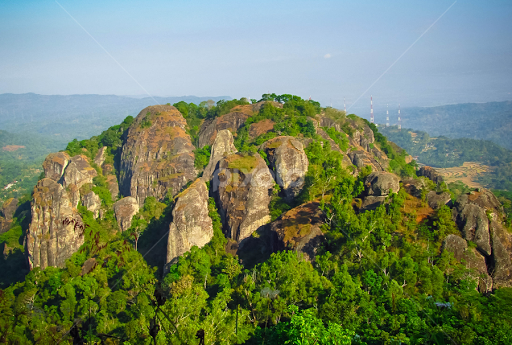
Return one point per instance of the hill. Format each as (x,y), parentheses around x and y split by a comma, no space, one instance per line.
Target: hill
(265,222)
(443,152)
(487,121)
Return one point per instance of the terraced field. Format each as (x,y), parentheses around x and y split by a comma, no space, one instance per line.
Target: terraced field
(466,173)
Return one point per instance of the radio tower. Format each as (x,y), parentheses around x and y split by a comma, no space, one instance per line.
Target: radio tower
(387,115)
(371,111)
(344,106)
(399,119)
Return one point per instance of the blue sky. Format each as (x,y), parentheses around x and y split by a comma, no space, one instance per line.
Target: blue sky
(324,49)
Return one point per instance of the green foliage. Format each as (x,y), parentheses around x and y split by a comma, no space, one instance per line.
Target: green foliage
(202,157)
(277,204)
(339,138)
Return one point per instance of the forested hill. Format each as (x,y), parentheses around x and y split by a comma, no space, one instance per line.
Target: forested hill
(488,121)
(271,221)
(446,152)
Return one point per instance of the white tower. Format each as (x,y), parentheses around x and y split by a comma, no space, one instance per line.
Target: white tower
(399,119)
(371,110)
(387,115)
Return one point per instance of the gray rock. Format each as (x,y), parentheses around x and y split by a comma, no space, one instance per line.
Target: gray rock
(92,202)
(371,202)
(222,146)
(55,164)
(381,183)
(78,172)
(56,230)
(436,200)
(242,187)
(9,208)
(191,225)
(124,211)
(290,163)
(501,255)
(100,156)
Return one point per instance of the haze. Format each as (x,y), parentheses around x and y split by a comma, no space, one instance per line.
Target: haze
(324,49)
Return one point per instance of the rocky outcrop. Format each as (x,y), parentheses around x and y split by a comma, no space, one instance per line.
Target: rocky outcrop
(364,137)
(124,211)
(479,216)
(222,146)
(242,188)
(472,259)
(191,225)
(157,156)
(381,183)
(299,229)
(261,127)
(232,122)
(54,165)
(113,187)
(78,172)
(413,186)
(100,156)
(436,200)
(9,208)
(289,162)
(56,230)
(430,173)
(92,202)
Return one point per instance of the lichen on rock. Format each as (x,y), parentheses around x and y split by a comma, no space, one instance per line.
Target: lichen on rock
(124,211)
(222,146)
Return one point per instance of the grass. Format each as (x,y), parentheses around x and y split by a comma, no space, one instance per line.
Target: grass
(243,163)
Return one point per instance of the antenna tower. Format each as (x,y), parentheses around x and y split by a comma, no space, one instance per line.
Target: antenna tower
(371,111)
(399,119)
(387,115)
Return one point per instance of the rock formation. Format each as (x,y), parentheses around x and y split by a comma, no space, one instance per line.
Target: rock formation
(378,185)
(124,211)
(100,156)
(191,225)
(56,230)
(436,200)
(299,229)
(92,202)
(232,121)
(430,173)
(222,146)
(54,165)
(157,155)
(9,208)
(242,187)
(479,216)
(113,187)
(78,172)
(289,162)
(472,258)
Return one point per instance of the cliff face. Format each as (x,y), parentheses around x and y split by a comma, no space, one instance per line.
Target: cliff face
(54,165)
(222,146)
(124,211)
(242,188)
(232,121)
(290,163)
(479,216)
(191,225)
(56,230)
(157,156)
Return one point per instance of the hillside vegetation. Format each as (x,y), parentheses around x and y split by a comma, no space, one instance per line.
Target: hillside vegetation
(318,232)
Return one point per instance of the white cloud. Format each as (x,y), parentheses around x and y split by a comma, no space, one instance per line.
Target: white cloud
(327,56)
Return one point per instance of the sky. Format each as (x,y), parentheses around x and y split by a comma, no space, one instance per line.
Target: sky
(417,53)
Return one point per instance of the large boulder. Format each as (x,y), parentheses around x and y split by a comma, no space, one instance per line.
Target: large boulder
(261,127)
(472,259)
(479,216)
(299,229)
(124,211)
(436,200)
(289,162)
(92,202)
(381,183)
(78,172)
(113,187)
(56,230)
(100,156)
(157,156)
(9,208)
(55,164)
(430,173)
(242,188)
(191,225)
(232,122)
(222,146)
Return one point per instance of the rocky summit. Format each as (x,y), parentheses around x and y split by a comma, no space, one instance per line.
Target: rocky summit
(247,222)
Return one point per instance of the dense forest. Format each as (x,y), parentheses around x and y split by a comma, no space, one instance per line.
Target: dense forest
(381,276)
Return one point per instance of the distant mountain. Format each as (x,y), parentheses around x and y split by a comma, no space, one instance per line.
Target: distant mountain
(487,121)
(74,116)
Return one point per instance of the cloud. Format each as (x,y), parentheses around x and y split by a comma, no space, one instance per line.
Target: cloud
(327,56)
